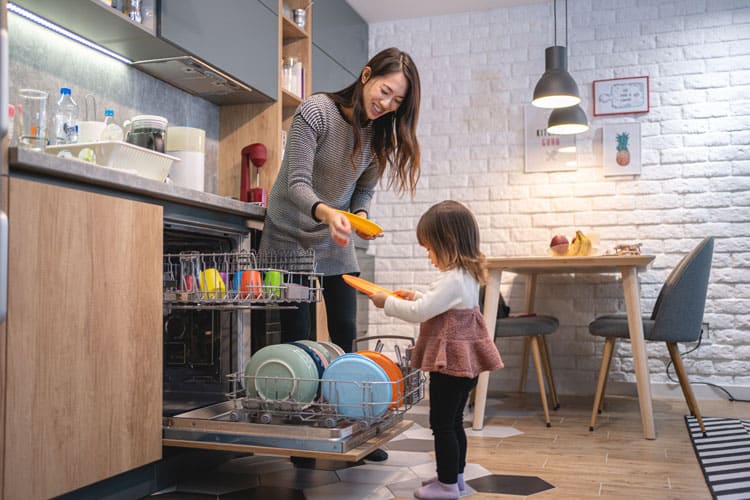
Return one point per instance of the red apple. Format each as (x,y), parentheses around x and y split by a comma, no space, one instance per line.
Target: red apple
(559,244)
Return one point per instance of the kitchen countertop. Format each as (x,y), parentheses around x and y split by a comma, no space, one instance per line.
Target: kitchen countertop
(48,165)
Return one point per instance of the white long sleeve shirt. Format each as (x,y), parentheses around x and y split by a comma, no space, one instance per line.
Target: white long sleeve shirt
(454,289)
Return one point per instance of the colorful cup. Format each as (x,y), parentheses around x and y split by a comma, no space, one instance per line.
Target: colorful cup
(272,282)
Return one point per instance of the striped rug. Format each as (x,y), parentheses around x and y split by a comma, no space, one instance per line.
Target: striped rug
(724,455)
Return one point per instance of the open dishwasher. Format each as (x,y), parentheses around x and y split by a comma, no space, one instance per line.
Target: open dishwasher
(267,414)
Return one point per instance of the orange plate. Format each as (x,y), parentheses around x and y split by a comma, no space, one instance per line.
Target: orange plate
(392,370)
(364,286)
(361,224)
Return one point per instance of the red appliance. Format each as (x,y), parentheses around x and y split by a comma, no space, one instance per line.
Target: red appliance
(257,154)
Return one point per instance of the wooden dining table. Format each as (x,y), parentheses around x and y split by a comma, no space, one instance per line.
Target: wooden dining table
(627,266)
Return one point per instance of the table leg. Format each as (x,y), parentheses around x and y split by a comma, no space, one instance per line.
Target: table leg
(491,297)
(528,306)
(638,343)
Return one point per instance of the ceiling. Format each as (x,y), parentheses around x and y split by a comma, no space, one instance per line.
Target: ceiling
(392,10)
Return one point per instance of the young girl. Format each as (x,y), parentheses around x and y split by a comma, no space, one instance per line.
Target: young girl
(453,343)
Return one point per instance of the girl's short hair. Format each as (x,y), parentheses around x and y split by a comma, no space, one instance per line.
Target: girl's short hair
(450,230)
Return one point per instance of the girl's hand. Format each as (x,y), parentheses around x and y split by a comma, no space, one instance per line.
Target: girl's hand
(406,294)
(338,224)
(378,298)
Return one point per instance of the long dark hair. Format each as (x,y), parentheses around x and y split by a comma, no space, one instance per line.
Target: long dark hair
(452,232)
(394,134)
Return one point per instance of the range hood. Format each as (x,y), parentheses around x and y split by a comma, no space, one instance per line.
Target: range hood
(198,78)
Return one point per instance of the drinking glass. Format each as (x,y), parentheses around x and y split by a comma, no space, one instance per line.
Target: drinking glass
(32,120)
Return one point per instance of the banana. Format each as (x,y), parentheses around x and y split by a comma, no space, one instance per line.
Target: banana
(585,244)
(580,246)
(575,246)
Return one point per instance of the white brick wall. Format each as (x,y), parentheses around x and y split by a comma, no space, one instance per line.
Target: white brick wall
(478,71)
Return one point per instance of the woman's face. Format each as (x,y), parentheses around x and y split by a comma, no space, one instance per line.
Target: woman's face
(383,94)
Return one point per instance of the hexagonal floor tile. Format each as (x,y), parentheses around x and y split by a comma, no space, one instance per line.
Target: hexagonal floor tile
(509,485)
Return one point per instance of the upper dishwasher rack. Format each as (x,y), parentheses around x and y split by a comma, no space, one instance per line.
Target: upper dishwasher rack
(240,279)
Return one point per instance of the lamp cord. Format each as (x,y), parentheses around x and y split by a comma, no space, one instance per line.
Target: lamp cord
(566,23)
(683,354)
(554,16)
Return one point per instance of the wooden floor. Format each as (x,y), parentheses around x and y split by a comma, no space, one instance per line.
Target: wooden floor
(614,461)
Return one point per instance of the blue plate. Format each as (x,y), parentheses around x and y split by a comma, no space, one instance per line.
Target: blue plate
(282,372)
(357,387)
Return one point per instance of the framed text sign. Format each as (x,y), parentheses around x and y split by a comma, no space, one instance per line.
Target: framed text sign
(546,152)
(619,96)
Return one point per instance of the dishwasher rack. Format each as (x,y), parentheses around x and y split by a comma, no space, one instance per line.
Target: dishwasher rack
(321,413)
(240,280)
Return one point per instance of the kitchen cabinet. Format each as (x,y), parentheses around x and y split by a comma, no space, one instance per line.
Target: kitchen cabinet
(237,36)
(81,379)
(266,123)
(339,35)
(224,52)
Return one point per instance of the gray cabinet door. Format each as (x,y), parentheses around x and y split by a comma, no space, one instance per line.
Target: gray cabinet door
(341,33)
(239,37)
(329,75)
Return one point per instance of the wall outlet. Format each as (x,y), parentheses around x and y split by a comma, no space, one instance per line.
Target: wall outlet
(706,329)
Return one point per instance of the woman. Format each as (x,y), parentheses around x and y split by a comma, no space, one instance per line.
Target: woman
(339,146)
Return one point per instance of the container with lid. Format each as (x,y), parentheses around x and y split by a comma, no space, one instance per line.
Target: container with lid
(148,131)
(188,144)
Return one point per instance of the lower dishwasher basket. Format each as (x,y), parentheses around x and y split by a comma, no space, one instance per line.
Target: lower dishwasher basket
(316,429)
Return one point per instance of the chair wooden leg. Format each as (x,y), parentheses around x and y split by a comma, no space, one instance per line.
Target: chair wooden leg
(548,372)
(609,348)
(692,403)
(524,365)
(534,343)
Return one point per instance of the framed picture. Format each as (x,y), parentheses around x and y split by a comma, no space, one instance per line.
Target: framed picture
(546,152)
(621,145)
(619,96)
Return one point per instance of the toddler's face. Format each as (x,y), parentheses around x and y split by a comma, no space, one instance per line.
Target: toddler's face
(433,258)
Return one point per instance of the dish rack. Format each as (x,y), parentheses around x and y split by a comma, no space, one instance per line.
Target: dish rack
(321,413)
(123,156)
(240,280)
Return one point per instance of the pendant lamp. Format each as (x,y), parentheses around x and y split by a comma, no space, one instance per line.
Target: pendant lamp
(565,121)
(556,88)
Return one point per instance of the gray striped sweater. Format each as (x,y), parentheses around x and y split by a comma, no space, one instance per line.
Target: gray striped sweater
(317,167)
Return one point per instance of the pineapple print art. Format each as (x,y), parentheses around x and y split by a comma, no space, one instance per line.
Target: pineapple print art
(623,155)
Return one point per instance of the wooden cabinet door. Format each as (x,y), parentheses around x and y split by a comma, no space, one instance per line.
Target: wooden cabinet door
(83,395)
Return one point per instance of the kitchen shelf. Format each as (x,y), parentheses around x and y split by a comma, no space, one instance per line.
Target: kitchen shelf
(290,31)
(290,100)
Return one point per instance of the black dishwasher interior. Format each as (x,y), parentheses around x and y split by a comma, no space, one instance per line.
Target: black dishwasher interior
(200,345)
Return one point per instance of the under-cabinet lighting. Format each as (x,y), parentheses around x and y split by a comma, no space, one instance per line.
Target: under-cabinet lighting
(62,31)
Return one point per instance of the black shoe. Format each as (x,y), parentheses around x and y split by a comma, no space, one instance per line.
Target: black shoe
(378,455)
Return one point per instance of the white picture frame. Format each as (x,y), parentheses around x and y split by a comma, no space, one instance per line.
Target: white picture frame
(545,152)
(621,148)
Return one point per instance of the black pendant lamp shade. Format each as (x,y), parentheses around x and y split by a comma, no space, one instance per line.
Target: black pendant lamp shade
(570,120)
(556,88)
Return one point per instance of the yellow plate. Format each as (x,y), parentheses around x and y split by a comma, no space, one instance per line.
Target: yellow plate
(364,286)
(364,226)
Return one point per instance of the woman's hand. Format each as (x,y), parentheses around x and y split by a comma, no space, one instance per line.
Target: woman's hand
(338,224)
(364,236)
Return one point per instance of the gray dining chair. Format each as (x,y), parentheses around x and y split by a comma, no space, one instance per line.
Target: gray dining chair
(534,328)
(677,317)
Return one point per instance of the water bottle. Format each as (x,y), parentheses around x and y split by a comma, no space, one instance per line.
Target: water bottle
(66,119)
(112,131)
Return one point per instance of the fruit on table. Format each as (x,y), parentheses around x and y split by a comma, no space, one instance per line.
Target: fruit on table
(559,244)
(580,246)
